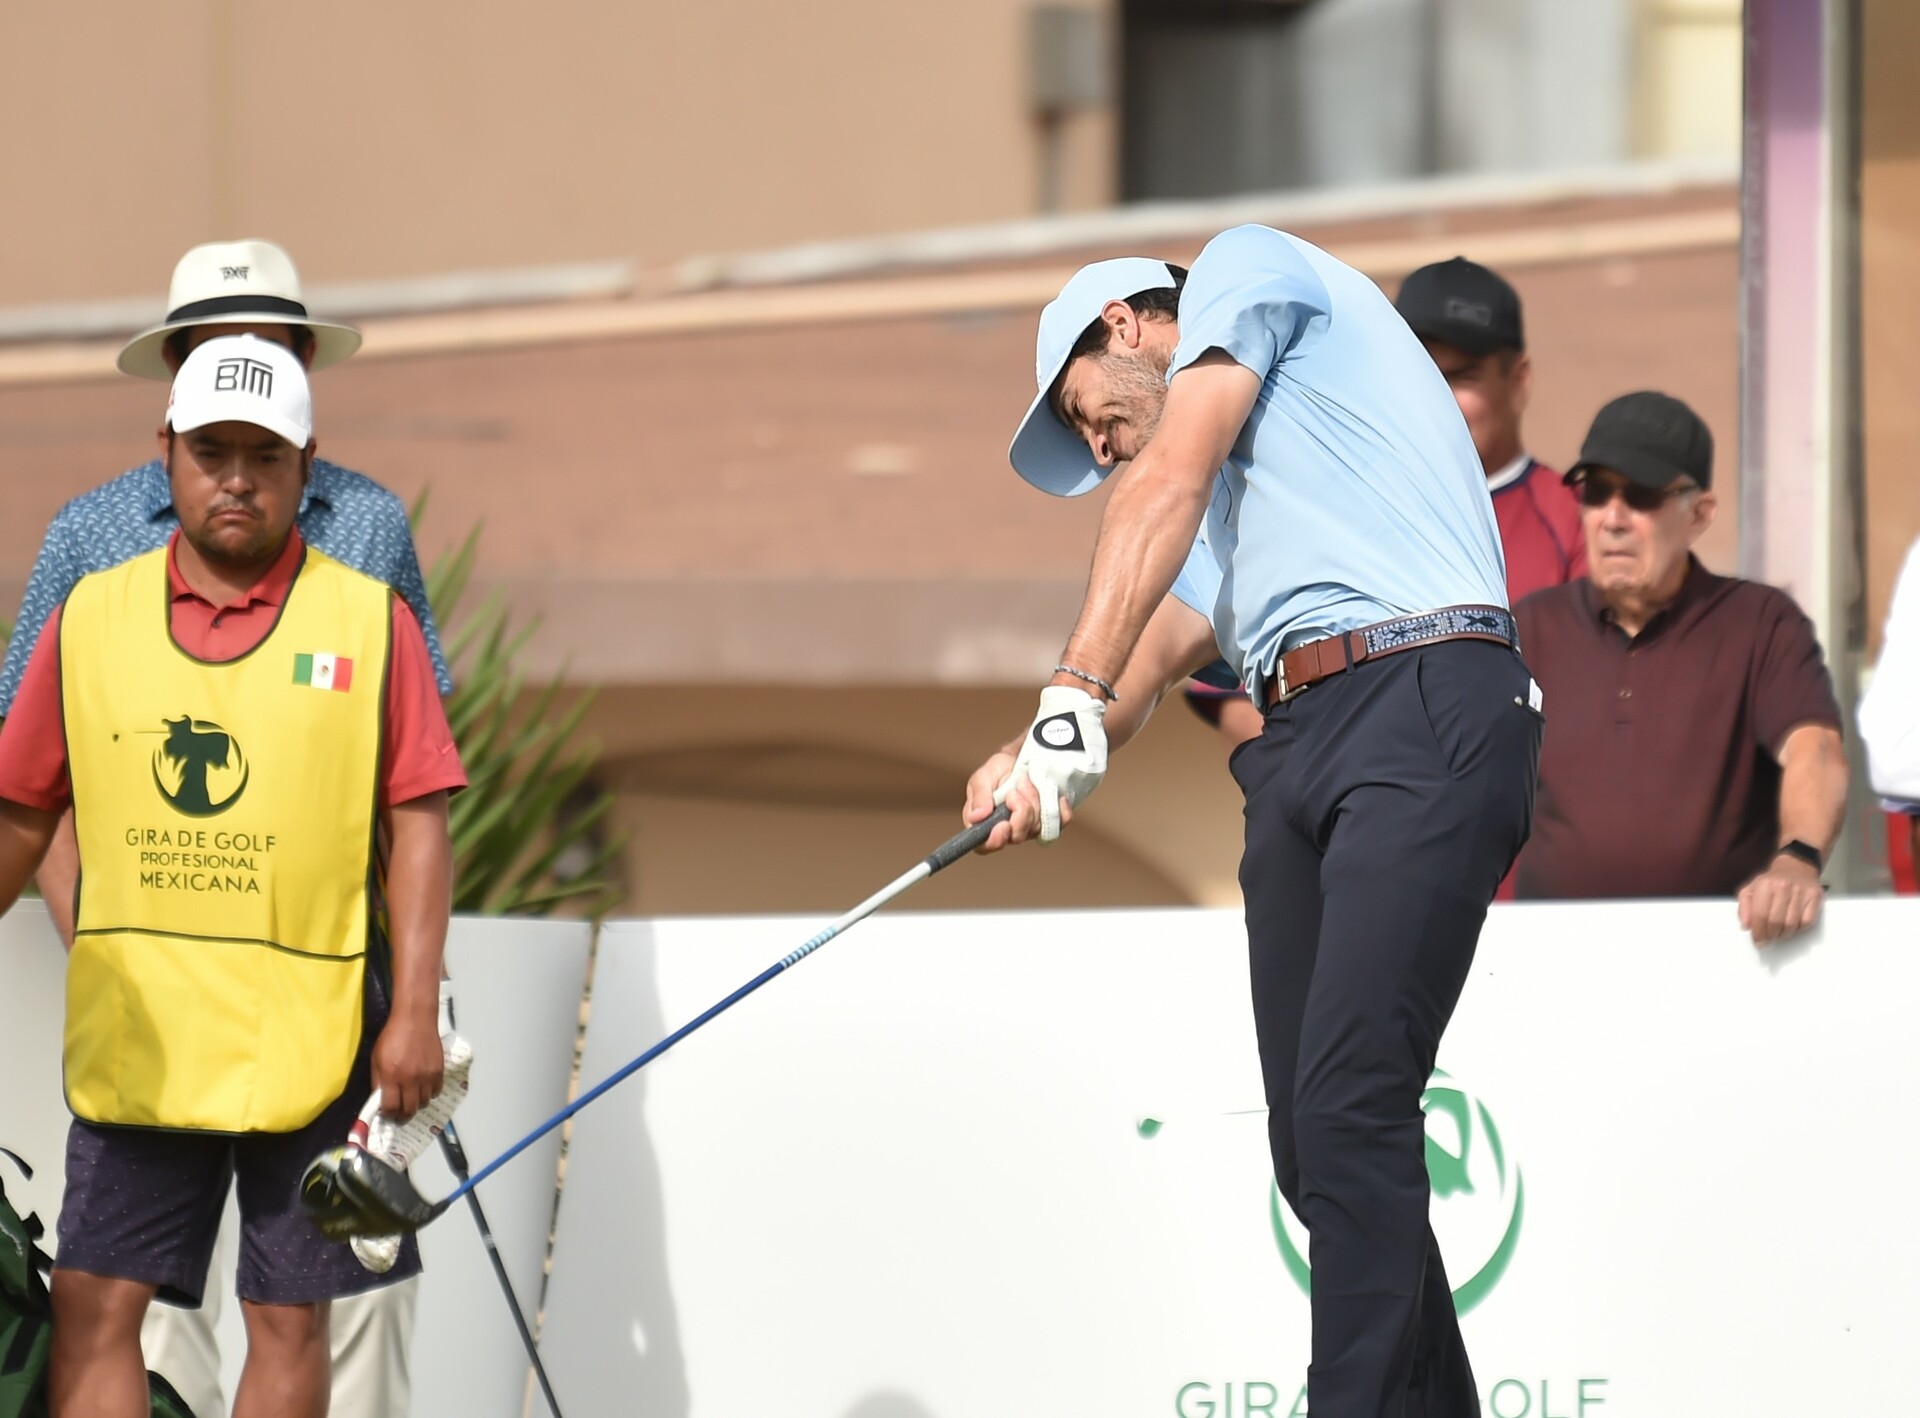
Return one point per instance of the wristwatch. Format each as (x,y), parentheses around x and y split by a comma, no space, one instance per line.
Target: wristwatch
(1805,851)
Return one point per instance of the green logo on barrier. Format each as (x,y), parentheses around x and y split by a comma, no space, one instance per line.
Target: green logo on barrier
(1479,1198)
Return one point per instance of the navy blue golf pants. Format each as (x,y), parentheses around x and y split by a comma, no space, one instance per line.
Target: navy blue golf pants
(1383,806)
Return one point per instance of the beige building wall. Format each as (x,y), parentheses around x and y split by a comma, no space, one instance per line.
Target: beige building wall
(384,140)
(1686,100)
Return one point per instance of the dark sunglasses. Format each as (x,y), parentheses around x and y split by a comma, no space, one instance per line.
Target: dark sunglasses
(1638,496)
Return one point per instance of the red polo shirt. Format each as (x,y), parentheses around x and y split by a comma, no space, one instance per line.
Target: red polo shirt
(1658,774)
(1540,530)
(420,757)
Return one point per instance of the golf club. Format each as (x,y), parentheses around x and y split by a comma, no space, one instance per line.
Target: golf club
(457,1160)
(348,1192)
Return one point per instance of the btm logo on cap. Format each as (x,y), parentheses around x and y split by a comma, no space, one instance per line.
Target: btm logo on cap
(244,374)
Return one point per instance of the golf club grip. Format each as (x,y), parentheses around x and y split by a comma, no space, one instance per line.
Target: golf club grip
(961,843)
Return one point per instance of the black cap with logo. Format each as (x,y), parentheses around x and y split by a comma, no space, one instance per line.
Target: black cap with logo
(1463,304)
(1649,438)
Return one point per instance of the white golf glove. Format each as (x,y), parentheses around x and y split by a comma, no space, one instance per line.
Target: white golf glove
(1065,752)
(400,1144)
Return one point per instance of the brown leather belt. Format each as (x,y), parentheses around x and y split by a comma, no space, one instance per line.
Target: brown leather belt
(1306,665)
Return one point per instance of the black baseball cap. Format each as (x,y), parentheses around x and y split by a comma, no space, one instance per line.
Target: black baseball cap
(1649,438)
(1463,304)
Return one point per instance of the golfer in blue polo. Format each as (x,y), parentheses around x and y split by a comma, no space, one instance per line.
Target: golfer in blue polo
(1297,492)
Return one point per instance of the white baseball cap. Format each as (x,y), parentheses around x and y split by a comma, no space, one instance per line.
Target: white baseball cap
(235,283)
(1045,451)
(243,379)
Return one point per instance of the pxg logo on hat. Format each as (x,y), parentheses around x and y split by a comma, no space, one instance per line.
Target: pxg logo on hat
(1651,438)
(1463,304)
(1045,451)
(243,379)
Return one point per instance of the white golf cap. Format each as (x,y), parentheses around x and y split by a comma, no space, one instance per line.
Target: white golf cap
(235,283)
(1045,451)
(243,379)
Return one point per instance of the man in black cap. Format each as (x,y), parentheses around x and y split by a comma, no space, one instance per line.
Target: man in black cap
(1693,739)
(1469,320)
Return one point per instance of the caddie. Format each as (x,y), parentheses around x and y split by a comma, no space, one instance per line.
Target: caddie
(1302,497)
(233,718)
(229,288)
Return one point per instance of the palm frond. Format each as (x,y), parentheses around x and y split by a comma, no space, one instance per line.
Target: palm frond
(529,804)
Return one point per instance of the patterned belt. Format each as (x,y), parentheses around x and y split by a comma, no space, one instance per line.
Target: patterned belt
(1306,665)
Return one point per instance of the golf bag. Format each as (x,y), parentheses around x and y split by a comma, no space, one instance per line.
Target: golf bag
(26,1312)
(26,1319)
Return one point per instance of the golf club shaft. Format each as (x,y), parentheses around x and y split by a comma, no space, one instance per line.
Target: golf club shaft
(457,1159)
(943,856)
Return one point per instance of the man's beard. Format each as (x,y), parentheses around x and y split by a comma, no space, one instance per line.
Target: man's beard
(1138,382)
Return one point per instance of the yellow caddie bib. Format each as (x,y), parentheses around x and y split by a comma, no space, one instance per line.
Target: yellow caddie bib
(226,816)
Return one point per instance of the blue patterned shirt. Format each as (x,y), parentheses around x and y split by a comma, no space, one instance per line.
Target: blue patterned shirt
(349,517)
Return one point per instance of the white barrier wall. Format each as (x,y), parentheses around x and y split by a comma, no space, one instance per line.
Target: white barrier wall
(983,1165)
(915,1178)
(517,996)
(517,991)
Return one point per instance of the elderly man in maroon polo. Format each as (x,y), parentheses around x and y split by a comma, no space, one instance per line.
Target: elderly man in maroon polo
(1693,739)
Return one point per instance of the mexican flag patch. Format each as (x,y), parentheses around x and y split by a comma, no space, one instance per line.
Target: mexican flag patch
(323,671)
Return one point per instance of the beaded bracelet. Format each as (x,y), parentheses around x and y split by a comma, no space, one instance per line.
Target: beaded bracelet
(1094,680)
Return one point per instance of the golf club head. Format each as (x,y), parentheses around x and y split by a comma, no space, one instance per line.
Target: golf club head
(348,1192)
(322,1200)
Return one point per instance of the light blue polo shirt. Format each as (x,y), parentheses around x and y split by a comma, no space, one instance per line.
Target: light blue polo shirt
(1353,493)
